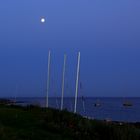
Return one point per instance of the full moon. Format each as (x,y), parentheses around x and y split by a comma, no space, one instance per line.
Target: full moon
(42,20)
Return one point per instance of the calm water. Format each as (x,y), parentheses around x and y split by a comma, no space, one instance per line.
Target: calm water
(111,108)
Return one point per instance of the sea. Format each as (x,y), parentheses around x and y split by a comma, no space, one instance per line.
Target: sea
(101,108)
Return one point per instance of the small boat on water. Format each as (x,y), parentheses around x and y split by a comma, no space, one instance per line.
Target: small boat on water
(97,104)
(127,103)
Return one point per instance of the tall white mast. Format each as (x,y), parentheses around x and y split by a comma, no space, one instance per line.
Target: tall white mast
(63,81)
(48,78)
(77,80)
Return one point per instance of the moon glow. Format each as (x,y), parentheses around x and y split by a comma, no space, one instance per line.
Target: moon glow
(42,20)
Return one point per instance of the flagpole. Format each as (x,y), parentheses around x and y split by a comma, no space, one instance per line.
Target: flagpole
(63,81)
(48,78)
(77,80)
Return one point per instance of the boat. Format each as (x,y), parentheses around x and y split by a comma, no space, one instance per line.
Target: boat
(127,103)
(97,104)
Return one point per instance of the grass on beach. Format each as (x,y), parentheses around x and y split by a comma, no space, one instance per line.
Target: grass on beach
(35,123)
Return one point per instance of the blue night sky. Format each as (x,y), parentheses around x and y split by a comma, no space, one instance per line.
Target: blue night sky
(106,32)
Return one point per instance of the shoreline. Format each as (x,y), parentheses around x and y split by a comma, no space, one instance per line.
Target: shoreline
(9,101)
(36,123)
